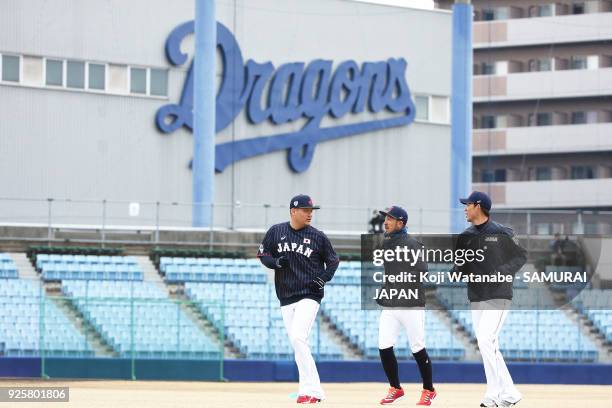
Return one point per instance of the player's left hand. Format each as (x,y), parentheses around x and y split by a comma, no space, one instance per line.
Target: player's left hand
(317,284)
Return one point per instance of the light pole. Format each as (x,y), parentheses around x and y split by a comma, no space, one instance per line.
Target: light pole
(461,111)
(204,113)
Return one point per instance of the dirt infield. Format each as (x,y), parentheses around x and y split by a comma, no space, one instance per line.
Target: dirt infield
(157,394)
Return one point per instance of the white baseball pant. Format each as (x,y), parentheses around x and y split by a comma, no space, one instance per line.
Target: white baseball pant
(393,320)
(299,318)
(488,318)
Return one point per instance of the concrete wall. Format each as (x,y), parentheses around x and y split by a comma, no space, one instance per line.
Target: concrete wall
(89,146)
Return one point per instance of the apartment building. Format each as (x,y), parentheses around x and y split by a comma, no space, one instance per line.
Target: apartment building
(542,105)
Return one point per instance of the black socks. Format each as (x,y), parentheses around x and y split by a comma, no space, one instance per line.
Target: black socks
(424,364)
(389,363)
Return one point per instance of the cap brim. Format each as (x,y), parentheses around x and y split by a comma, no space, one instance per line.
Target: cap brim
(314,207)
(463,201)
(386,214)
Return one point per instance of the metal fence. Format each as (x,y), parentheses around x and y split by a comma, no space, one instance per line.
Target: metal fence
(153,216)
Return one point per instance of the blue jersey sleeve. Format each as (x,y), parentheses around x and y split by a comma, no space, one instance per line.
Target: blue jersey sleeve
(267,245)
(515,254)
(265,252)
(330,258)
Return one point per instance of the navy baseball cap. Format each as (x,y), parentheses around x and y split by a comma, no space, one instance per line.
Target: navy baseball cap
(478,197)
(396,212)
(302,201)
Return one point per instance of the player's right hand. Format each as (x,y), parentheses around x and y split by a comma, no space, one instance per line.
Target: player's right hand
(282,262)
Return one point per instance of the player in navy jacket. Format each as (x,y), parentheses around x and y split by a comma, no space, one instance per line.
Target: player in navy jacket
(303,260)
(490,302)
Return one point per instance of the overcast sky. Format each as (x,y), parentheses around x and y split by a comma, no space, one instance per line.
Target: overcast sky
(428,4)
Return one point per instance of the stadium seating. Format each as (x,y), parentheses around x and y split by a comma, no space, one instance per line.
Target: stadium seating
(137,319)
(31,324)
(596,305)
(252,320)
(342,305)
(348,273)
(178,269)
(528,334)
(8,269)
(88,267)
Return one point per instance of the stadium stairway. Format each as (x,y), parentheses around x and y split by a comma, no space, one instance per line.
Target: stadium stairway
(349,350)
(24,266)
(150,272)
(95,340)
(203,323)
(471,349)
(585,325)
(587,328)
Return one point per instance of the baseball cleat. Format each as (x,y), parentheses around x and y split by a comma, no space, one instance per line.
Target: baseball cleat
(393,395)
(505,403)
(307,399)
(488,404)
(426,397)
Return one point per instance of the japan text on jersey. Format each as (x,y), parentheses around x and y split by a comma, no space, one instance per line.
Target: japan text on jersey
(295,247)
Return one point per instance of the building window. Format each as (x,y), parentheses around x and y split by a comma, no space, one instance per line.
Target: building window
(540,119)
(582,172)
(543,64)
(544,119)
(502,13)
(488,15)
(138,80)
(10,68)
(533,65)
(543,173)
(487,176)
(422,107)
(439,109)
(578,8)
(54,72)
(578,118)
(493,176)
(487,68)
(532,11)
(85,75)
(543,228)
(159,82)
(97,78)
(540,11)
(578,62)
(500,175)
(488,122)
(75,74)
(147,81)
(545,10)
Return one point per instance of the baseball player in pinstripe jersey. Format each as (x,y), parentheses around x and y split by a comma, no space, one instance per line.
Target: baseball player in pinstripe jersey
(303,260)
